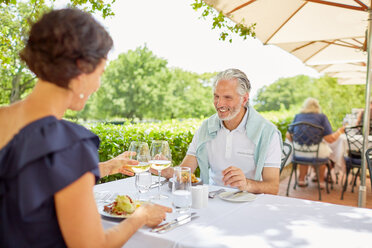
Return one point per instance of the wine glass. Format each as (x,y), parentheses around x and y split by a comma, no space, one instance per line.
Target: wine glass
(139,151)
(161,159)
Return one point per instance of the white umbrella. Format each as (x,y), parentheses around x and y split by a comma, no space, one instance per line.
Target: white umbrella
(295,21)
(346,73)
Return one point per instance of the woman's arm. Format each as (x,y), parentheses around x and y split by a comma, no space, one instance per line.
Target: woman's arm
(121,164)
(330,138)
(80,221)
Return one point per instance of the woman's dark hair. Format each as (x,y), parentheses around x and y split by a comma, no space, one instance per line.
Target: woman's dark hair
(64,44)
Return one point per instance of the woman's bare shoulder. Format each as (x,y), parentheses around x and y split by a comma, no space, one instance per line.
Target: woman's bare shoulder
(9,123)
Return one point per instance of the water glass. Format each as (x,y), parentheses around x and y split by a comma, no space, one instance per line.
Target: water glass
(181,189)
(143,182)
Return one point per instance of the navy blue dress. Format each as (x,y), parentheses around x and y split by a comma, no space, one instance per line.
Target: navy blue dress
(43,158)
(314,118)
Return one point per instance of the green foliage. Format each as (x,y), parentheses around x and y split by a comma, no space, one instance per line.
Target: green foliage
(16,80)
(281,119)
(220,21)
(116,139)
(94,6)
(284,92)
(138,84)
(16,17)
(290,93)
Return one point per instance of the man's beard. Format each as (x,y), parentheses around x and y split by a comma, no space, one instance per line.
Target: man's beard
(234,112)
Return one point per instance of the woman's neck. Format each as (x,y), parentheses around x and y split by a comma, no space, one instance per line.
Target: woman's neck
(48,99)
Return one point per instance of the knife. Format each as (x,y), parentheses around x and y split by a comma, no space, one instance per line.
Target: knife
(178,219)
(233,195)
(177,224)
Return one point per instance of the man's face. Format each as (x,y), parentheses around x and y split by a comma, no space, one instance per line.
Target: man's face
(227,101)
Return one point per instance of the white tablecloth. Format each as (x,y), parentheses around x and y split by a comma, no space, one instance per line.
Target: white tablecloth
(339,149)
(268,221)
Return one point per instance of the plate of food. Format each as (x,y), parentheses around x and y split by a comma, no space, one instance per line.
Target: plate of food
(194,181)
(122,207)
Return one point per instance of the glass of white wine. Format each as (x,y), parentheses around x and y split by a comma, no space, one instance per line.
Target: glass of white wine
(139,151)
(161,158)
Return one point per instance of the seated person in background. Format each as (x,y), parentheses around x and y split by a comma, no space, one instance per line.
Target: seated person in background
(311,112)
(236,147)
(48,166)
(360,117)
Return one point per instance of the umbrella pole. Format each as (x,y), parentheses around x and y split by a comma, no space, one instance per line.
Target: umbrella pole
(362,188)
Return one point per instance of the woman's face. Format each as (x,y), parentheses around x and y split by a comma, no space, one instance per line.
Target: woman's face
(93,79)
(88,83)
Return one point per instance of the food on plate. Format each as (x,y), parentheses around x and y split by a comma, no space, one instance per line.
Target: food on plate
(193,177)
(123,205)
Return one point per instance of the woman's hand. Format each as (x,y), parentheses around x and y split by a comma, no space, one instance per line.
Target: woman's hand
(119,164)
(153,214)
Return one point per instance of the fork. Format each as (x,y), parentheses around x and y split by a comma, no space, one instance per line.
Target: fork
(213,194)
(233,194)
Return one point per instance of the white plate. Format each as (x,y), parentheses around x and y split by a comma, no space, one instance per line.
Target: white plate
(240,197)
(103,213)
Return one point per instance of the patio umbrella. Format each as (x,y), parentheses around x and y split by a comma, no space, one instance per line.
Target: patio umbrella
(346,73)
(295,21)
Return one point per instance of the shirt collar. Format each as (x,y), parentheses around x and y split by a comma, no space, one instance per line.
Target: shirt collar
(242,124)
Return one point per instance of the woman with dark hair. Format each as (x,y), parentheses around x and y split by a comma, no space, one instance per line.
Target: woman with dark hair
(48,166)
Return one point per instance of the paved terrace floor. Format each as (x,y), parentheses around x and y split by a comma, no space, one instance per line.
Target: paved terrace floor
(311,191)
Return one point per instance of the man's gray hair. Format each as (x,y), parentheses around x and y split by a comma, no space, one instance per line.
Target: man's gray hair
(244,86)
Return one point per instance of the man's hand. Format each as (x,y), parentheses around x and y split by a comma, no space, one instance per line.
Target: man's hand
(167,173)
(234,177)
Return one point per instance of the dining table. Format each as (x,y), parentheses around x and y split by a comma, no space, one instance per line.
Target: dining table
(264,221)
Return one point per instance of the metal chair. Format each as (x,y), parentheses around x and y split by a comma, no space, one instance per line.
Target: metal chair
(287,149)
(353,160)
(306,138)
(369,163)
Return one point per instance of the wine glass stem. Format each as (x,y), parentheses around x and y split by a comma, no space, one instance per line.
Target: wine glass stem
(159,175)
(136,183)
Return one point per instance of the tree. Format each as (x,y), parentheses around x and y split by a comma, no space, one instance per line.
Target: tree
(16,79)
(221,22)
(139,84)
(335,100)
(15,18)
(284,92)
(104,7)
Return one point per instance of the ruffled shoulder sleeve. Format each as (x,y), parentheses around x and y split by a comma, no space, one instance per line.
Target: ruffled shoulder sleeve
(45,157)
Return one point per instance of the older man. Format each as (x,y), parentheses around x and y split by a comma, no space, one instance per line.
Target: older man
(235,147)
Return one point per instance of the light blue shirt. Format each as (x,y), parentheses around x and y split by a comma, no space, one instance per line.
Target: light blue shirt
(251,158)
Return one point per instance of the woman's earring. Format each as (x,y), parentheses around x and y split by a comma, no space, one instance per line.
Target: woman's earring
(81,96)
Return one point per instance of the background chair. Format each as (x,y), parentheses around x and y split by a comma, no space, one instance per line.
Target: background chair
(353,159)
(306,138)
(369,163)
(287,149)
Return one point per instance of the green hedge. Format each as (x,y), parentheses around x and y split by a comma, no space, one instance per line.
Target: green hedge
(115,139)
